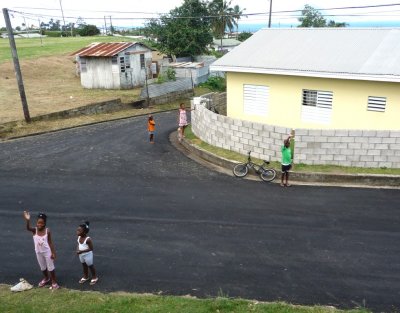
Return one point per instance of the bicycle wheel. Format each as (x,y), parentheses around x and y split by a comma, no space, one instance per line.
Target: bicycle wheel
(240,170)
(268,174)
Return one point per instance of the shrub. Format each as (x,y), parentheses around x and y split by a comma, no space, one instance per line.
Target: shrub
(171,74)
(215,83)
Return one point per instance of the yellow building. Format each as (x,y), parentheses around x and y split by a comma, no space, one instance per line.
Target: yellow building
(338,87)
(339,78)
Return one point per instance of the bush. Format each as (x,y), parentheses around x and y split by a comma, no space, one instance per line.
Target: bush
(52,33)
(88,30)
(215,83)
(244,35)
(171,74)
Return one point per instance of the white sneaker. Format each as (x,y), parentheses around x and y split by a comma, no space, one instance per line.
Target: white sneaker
(21,286)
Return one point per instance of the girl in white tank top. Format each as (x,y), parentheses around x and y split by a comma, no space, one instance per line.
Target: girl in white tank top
(85,253)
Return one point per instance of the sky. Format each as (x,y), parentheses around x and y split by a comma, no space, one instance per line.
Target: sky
(127,13)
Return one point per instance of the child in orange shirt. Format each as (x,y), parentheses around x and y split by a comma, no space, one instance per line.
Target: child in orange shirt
(151,126)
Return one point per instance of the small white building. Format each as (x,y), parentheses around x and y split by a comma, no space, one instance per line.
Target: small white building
(116,65)
(226,45)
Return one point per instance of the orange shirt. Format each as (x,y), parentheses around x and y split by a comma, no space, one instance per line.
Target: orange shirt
(151,125)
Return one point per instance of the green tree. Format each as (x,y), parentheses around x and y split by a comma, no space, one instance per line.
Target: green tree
(223,17)
(88,30)
(184,31)
(334,24)
(244,35)
(238,13)
(313,18)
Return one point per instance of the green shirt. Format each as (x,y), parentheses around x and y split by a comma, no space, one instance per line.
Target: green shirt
(286,155)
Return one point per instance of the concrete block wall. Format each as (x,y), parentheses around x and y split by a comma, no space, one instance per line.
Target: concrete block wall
(360,148)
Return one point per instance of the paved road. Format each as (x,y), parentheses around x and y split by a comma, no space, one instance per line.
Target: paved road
(162,223)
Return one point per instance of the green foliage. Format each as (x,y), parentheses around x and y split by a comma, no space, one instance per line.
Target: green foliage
(244,35)
(171,74)
(217,54)
(313,18)
(161,79)
(222,17)
(334,24)
(52,33)
(71,301)
(215,83)
(182,36)
(88,30)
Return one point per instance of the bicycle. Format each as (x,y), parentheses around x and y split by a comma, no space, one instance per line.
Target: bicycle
(267,174)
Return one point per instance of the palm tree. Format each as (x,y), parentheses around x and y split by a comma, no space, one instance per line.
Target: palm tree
(238,12)
(223,17)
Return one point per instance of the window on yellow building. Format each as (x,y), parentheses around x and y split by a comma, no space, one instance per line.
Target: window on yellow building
(318,98)
(377,104)
(316,106)
(255,99)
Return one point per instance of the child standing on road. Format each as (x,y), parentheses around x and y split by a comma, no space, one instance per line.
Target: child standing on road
(85,252)
(44,248)
(286,162)
(151,125)
(182,121)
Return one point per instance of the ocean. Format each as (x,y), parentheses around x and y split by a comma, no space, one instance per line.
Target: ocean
(244,27)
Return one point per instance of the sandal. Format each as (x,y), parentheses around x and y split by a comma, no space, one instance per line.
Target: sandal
(54,286)
(83,280)
(94,280)
(44,282)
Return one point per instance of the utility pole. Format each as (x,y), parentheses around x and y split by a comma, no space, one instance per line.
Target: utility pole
(270,13)
(16,66)
(26,28)
(105,25)
(111,27)
(40,33)
(62,13)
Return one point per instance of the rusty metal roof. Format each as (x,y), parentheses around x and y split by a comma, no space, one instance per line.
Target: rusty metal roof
(103,49)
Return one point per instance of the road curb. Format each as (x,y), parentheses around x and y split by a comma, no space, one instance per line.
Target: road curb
(349,180)
(83,125)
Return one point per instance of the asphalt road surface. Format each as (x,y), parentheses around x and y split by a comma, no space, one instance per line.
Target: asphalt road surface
(162,223)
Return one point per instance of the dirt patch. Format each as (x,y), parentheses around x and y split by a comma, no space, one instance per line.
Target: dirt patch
(50,86)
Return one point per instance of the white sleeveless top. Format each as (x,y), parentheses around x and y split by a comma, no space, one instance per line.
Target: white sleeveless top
(84,245)
(41,242)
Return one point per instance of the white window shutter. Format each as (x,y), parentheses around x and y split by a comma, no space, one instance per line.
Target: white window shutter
(255,99)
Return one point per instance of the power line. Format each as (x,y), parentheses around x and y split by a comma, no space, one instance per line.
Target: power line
(276,13)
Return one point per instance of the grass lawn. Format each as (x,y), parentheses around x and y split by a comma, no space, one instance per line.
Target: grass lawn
(235,156)
(31,48)
(64,300)
(49,77)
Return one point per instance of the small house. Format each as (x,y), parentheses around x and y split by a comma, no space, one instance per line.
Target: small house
(226,44)
(328,78)
(116,65)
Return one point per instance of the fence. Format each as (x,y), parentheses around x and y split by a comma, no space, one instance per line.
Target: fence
(359,148)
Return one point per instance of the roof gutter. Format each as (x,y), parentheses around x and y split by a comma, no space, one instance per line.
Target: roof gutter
(350,76)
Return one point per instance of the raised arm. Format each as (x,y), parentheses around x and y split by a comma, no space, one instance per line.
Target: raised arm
(27,217)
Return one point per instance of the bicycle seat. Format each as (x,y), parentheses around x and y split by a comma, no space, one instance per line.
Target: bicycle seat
(266,162)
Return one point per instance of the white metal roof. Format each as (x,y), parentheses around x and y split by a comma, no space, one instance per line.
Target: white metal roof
(344,53)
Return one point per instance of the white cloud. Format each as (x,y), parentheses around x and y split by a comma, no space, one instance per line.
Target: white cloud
(75,8)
